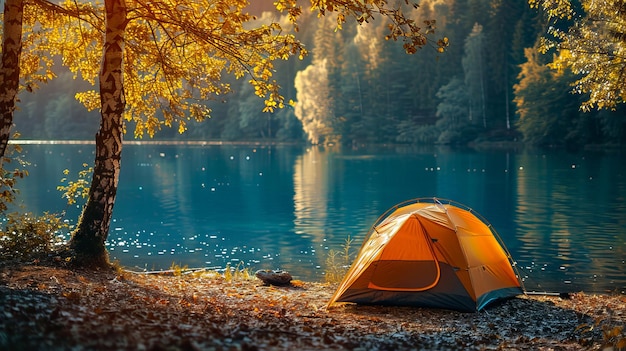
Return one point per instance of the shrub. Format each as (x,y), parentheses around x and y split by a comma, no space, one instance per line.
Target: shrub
(24,236)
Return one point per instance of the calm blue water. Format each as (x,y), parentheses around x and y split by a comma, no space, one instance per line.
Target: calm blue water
(562,215)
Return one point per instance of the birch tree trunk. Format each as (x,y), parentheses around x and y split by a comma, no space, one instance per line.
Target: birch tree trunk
(93,227)
(10,67)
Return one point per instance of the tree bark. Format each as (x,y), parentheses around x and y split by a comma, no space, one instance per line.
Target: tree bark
(88,240)
(10,67)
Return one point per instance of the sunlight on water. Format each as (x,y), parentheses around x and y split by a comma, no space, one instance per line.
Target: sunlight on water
(562,216)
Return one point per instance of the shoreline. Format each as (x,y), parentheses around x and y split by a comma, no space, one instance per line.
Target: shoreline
(55,308)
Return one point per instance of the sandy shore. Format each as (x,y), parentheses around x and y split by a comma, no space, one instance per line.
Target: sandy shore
(55,308)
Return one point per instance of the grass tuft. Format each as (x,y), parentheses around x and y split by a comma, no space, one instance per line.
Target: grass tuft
(338,262)
(238,273)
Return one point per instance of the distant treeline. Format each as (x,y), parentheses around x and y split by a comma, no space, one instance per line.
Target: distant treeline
(491,84)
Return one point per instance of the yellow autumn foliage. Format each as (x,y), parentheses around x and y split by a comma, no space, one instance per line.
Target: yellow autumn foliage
(176,53)
(594,48)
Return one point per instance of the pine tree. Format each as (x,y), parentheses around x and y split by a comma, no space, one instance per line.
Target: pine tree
(474,68)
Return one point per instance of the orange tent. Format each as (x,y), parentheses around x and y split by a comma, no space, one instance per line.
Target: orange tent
(431,253)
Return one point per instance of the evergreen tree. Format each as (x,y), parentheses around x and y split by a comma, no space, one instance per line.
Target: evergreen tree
(53,113)
(613,125)
(548,114)
(251,120)
(289,127)
(526,32)
(499,53)
(474,68)
(352,108)
(454,106)
(453,124)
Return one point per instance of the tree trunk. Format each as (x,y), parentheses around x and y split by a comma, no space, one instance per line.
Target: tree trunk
(93,227)
(10,67)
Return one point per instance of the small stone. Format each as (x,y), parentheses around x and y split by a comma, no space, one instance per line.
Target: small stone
(274,277)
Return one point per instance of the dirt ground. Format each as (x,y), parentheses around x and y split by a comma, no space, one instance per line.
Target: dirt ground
(50,307)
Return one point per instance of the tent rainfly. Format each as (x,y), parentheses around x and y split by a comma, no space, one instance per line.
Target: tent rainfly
(431,253)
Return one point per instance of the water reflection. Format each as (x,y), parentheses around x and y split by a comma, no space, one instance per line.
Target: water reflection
(563,216)
(570,216)
(310,183)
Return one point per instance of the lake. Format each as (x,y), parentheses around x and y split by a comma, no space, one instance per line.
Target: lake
(562,215)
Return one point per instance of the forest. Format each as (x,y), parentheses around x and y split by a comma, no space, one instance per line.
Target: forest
(492,83)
